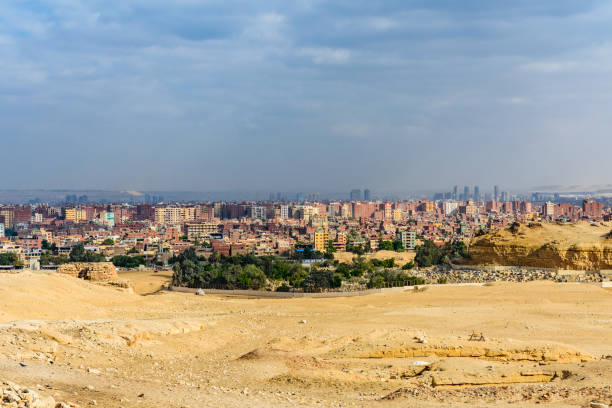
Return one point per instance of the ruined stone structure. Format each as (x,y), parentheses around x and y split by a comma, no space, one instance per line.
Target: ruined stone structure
(94,271)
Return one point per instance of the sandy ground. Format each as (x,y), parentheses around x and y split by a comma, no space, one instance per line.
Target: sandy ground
(545,344)
(401,258)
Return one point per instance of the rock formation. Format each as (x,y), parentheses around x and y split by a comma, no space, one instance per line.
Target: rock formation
(94,271)
(580,246)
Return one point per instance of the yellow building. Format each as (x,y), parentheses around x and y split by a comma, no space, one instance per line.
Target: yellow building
(75,215)
(397,215)
(70,214)
(321,238)
(168,215)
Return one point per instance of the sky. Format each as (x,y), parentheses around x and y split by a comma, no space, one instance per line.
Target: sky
(309,95)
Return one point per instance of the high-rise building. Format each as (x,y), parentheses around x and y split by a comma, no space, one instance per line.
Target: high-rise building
(496,193)
(321,238)
(592,209)
(356,195)
(504,196)
(454,197)
(284,212)
(476,193)
(548,210)
(466,193)
(367,196)
(257,212)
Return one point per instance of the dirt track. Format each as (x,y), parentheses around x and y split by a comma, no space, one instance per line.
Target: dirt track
(87,342)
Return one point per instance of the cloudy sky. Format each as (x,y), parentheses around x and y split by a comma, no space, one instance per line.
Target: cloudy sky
(304,94)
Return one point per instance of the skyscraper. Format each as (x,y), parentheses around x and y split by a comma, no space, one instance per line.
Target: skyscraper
(367,196)
(476,193)
(466,193)
(356,195)
(455,193)
(496,193)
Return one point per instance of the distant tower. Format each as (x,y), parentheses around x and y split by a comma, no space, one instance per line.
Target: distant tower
(455,188)
(466,193)
(355,195)
(476,193)
(367,196)
(496,193)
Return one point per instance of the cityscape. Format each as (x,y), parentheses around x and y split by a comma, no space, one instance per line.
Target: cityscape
(305,204)
(158,230)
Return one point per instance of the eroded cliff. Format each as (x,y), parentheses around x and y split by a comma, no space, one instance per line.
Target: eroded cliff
(579,246)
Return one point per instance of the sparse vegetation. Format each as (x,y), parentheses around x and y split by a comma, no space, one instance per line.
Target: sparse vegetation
(47,258)
(125,261)
(10,259)
(430,254)
(80,254)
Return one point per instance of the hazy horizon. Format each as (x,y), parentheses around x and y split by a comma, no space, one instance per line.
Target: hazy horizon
(304,96)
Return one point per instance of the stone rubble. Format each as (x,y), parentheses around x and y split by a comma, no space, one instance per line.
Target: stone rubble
(16,396)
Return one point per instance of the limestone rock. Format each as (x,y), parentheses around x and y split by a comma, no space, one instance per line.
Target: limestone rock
(93,271)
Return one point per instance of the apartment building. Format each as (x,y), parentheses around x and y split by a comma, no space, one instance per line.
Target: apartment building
(321,238)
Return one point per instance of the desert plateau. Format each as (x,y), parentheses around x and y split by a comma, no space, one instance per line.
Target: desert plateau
(518,344)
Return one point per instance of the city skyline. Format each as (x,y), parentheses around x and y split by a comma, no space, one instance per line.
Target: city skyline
(268,95)
(467,192)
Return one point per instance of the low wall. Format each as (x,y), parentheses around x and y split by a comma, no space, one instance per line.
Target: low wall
(289,295)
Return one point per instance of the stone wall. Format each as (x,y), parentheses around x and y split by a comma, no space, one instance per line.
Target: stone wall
(94,271)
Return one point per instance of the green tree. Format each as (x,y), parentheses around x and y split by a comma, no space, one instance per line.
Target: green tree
(428,254)
(125,261)
(108,242)
(398,245)
(10,232)
(319,279)
(385,245)
(46,258)
(80,254)
(251,277)
(9,258)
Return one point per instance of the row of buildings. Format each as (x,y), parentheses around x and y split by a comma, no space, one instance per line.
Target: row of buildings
(265,228)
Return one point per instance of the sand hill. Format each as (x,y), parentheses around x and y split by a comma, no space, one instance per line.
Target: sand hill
(543,344)
(580,246)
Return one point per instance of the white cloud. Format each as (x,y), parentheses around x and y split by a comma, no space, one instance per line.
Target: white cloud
(266,27)
(326,55)
(550,66)
(382,23)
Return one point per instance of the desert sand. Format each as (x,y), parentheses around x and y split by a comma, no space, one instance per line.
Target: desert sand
(545,344)
(401,258)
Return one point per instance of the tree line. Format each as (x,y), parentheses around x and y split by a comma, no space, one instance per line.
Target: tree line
(251,272)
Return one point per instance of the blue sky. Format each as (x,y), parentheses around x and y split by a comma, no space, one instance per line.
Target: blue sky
(305,94)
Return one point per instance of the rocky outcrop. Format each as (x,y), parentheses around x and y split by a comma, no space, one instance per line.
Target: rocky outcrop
(542,355)
(13,395)
(528,246)
(93,271)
